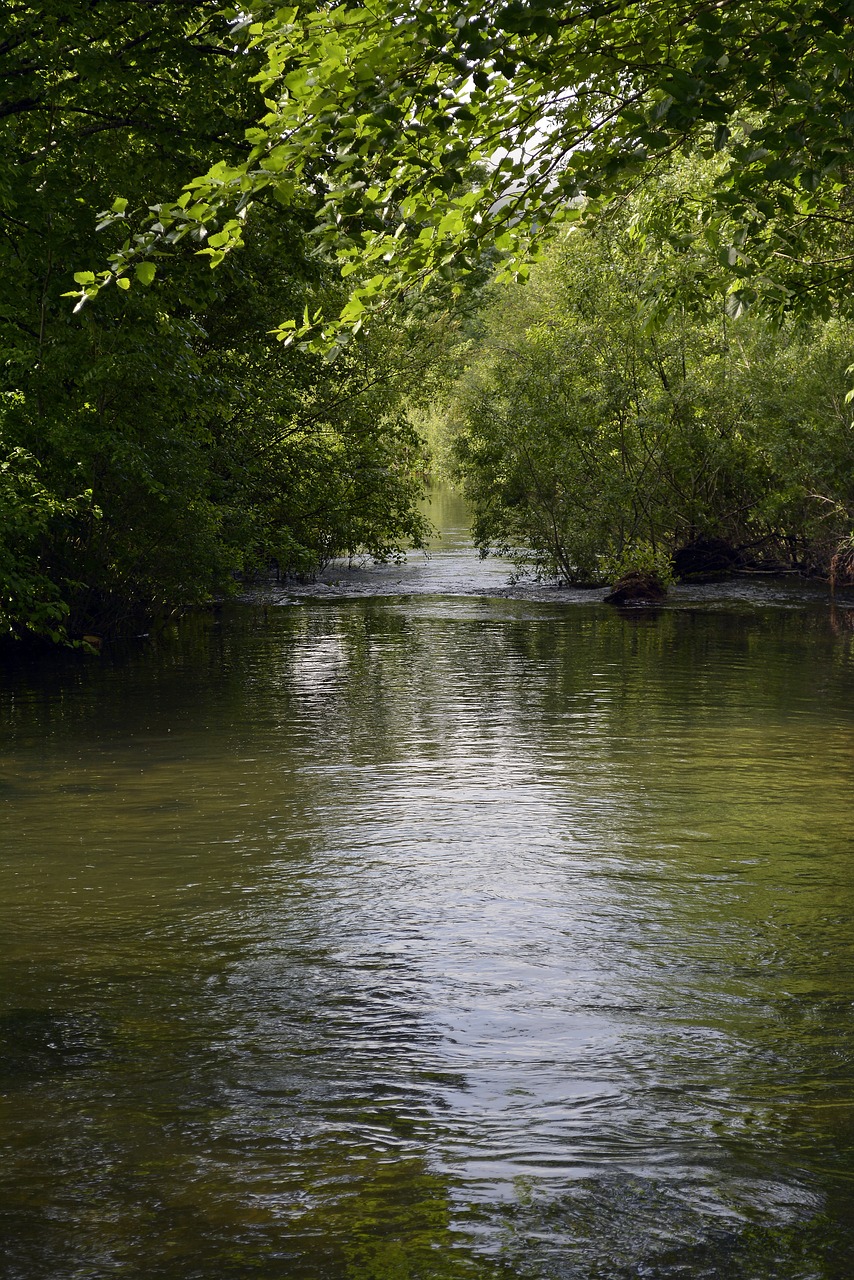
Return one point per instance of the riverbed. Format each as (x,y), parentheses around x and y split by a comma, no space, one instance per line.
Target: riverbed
(420,924)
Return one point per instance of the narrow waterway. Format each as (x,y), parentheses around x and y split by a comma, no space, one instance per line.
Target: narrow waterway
(432,930)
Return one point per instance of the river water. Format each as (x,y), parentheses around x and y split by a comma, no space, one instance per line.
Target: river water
(425,928)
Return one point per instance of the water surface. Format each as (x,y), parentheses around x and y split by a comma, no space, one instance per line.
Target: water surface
(433,935)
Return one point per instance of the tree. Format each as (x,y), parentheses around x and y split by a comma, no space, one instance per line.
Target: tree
(593,442)
(155,446)
(378,112)
(97,97)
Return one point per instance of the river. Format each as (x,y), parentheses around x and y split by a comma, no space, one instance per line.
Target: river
(421,927)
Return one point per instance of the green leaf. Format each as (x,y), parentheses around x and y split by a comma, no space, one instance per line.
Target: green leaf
(145,272)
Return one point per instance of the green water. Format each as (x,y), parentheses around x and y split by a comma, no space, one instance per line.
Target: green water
(437,936)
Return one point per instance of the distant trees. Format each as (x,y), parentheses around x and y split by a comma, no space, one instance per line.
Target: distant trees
(612,413)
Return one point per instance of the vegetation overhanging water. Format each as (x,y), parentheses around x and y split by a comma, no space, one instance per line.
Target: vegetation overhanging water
(412,924)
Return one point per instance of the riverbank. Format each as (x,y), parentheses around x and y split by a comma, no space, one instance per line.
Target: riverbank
(452,566)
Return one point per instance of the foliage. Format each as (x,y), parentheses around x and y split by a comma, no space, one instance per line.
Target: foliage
(589,437)
(30,602)
(374,115)
(163,443)
(206,448)
(638,558)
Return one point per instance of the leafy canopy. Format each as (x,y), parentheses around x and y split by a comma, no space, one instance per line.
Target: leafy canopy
(377,117)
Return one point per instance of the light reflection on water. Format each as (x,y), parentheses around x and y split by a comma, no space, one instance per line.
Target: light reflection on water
(433,937)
